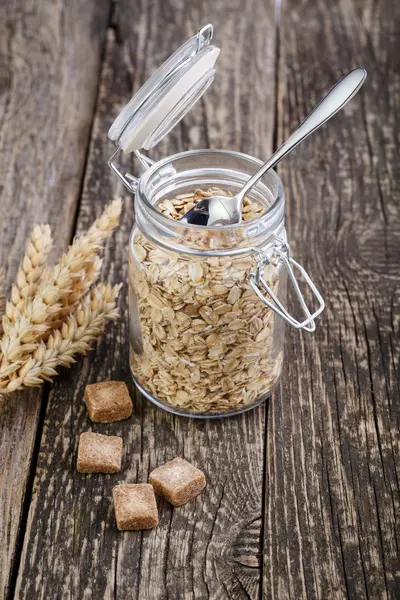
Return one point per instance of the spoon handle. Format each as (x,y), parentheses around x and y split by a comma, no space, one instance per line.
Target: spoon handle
(338,96)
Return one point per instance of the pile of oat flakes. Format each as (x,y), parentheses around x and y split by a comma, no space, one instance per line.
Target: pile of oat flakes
(202,341)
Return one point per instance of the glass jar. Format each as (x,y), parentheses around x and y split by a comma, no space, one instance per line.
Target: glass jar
(202,342)
(206,304)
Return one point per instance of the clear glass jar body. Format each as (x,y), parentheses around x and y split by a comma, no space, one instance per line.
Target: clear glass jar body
(202,343)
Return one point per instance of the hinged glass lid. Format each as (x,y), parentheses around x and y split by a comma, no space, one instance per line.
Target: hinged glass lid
(168,95)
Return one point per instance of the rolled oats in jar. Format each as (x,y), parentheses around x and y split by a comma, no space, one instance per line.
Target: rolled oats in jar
(201,340)
(206,304)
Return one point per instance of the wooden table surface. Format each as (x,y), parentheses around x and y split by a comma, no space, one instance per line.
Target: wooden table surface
(302,492)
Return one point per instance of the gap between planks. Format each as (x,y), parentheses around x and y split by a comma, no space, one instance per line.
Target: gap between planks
(275,134)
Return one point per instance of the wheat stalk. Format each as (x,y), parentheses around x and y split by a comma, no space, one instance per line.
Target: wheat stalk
(74,337)
(30,270)
(63,286)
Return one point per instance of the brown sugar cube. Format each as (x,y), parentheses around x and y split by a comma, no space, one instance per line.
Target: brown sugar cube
(99,453)
(135,506)
(178,481)
(108,401)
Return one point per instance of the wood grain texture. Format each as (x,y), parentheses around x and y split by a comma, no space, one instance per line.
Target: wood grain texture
(210,547)
(332,504)
(50,55)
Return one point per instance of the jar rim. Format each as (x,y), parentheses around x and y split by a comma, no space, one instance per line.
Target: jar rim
(278,200)
(268,221)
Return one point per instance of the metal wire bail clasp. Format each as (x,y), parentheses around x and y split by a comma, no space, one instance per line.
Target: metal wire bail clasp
(281,254)
(129,180)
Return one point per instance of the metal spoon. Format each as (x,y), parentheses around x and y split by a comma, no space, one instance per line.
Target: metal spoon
(227,210)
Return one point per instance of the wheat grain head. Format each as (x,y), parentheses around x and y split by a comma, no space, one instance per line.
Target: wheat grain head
(60,287)
(74,337)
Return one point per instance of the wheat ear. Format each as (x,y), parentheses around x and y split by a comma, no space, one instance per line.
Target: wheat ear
(81,260)
(74,337)
(54,293)
(30,270)
(70,301)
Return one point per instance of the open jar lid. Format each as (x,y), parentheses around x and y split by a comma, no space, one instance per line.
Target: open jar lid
(168,95)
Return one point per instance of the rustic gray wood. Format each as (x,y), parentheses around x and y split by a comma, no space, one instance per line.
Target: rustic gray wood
(49,63)
(333,430)
(312,483)
(209,548)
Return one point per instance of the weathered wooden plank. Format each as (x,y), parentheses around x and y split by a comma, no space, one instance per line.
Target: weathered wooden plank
(333,437)
(209,548)
(49,65)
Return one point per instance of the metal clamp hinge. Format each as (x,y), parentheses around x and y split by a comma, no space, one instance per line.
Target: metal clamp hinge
(129,180)
(281,254)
